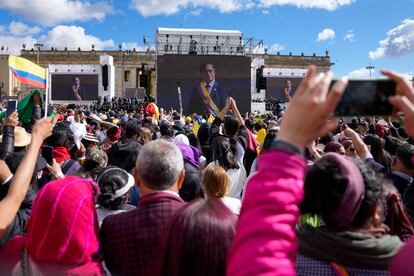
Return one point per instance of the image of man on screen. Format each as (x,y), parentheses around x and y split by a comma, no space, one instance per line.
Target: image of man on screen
(77,91)
(288,90)
(208,96)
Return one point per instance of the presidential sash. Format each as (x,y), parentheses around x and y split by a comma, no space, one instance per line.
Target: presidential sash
(207,100)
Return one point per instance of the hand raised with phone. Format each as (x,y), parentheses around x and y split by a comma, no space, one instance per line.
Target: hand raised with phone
(307,116)
(403,101)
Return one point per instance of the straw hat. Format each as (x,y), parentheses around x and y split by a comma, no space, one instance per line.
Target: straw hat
(91,137)
(21,137)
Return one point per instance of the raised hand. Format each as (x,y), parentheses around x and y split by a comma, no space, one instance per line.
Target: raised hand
(404,100)
(12,120)
(308,112)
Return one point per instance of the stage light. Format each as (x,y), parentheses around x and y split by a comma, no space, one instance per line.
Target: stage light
(56,70)
(94,70)
(68,70)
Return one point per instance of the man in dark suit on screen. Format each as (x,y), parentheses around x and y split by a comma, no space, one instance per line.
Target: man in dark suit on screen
(207,96)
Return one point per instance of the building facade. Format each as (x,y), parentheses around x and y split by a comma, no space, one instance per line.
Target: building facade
(131,65)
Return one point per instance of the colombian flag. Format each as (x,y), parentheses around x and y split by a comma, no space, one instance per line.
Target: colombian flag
(27,72)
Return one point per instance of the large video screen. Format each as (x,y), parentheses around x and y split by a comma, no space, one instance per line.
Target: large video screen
(276,87)
(74,87)
(201,78)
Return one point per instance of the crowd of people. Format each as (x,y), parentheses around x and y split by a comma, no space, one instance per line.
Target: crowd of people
(143,191)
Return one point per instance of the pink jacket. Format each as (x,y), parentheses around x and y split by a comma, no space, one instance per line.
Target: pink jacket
(265,243)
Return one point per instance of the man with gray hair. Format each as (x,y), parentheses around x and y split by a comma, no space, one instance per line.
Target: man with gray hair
(129,240)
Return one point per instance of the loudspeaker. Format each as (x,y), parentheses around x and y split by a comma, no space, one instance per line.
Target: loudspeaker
(143,80)
(105,77)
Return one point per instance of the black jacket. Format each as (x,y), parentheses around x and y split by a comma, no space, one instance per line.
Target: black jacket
(36,115)
(7,146)
(124,153)
(242,136)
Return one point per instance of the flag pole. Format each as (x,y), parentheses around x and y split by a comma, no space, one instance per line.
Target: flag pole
(47,90)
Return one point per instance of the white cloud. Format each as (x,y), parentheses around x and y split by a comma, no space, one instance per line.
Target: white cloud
(169,7)
(2,29)
(326,34)
(277,48)
(73,37)
(361,73)
(408,75)
(132,45)
(12,44)
(330,5)
(21,29)
(51,12)
(399,41)
(378,53)
(349,35)
(195,12)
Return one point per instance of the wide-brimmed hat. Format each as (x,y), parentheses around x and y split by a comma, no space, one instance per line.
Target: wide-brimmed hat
(21,137)
(91,137)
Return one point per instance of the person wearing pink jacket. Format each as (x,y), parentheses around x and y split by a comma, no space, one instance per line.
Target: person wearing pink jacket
(265,242)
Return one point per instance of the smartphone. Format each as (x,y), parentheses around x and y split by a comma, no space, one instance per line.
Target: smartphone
(366,98)
(11,107)
(47,153)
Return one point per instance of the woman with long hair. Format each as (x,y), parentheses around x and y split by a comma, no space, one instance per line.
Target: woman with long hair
(196,240)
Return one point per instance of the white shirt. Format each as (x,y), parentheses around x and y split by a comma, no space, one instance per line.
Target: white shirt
(237,180)
(209,86)
(234,204)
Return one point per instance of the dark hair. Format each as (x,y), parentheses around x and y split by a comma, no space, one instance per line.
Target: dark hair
(203,134)
(392,144)
(132,128)
(203,66)
(332,147)
(405,153)
(249,123)
(192,138)
(377,150)
(325,186)
(196,240)
(166,130)
(326,139)
(258,126)
(231,125)
(110,180)
(270,136)
(60,135)
(224,151)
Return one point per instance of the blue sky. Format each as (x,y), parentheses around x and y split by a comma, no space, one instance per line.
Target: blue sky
(378,32)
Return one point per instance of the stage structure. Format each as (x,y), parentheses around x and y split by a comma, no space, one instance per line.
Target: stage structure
(205,42)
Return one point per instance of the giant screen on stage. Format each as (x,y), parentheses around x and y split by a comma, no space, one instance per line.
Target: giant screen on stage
(276,87)
(74,87)
(202,78)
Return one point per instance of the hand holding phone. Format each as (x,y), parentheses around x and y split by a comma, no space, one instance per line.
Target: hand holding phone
(47,153)
(366,98)
(11,107)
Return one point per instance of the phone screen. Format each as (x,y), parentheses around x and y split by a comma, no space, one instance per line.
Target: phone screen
(11,107)
(47,153)
(366,98)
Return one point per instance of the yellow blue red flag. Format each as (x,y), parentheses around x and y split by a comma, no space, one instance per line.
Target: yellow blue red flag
(27,72)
